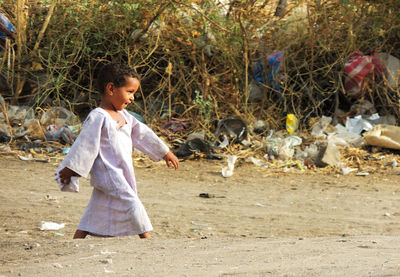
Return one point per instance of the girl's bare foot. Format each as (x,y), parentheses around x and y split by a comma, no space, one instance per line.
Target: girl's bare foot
(79,234)
(144,235)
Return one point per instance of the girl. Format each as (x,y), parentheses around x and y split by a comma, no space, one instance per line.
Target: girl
(104,149)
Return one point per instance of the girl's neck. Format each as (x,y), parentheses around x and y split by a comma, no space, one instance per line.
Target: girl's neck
(108,107)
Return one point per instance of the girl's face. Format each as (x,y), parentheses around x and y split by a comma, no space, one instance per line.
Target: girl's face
(121,97)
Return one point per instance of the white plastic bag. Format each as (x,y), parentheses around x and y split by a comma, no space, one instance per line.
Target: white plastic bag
(51,226)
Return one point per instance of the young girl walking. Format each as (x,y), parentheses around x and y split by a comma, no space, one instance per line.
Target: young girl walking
(104,149)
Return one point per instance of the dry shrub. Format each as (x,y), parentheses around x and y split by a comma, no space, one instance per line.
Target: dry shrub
(188,48)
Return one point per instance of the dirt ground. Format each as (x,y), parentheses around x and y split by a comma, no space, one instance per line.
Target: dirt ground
(255,223)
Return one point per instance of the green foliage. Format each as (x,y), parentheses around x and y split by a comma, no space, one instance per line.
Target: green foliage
(206,106)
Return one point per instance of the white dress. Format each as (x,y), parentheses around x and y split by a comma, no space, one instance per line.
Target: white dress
(105,152)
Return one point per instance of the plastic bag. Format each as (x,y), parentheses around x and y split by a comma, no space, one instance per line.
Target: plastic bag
(58,116)
(292,123)
(228,171)
(319,127)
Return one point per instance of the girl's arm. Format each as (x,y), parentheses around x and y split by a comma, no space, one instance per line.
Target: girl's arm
(85,149)
(145,140)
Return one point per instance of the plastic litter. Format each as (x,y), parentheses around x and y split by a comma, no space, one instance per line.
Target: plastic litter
(60,133)
(286,149)
(256,161)
(233,127)
(256,92)
(319,127)
(357,68)
(26,158)
(194,135)
(312,151)
(258,72)
(300,154)
(5,148)
(59,116)
(300,165)
(275,59)
(5,130)
(228,171)
(224,143)
(273,145)
(362,174)
(358,124)
(349,137)
(331,155)
(192,146)
(392,68)
(9,27)
(17,115)
(387,136)
(51,226)
(292,123)
(347,170)
(20,132)
(260,126)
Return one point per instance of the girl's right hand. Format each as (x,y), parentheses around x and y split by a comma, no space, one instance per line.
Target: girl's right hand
(170,158)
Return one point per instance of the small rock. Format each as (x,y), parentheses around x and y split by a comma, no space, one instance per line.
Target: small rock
(57,265)
(206,195)
(106,261)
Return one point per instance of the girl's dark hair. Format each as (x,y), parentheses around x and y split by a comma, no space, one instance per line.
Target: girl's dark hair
(114,73)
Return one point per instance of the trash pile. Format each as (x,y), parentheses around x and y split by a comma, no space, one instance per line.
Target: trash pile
(38,135)
(345,142)
(335,147)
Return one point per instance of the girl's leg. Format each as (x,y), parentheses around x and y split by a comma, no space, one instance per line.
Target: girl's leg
(144,235)
(79,234)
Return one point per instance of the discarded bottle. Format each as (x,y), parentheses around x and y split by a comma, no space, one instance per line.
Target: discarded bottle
(292,123)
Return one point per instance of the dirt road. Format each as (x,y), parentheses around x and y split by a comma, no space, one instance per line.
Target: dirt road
(255,223)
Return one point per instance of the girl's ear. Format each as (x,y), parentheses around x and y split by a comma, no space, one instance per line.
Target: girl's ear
(109,88)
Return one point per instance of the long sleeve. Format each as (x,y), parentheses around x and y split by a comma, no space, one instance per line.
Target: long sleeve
(86,147)
(145,140)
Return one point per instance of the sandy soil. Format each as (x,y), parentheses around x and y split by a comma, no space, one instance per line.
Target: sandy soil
(257,223)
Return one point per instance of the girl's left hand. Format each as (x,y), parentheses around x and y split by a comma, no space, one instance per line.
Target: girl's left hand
(66,174)
(171,158)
